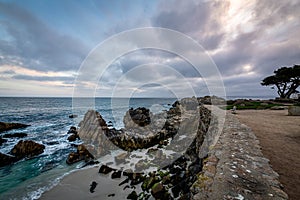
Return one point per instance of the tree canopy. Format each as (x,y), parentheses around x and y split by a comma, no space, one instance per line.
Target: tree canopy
(286,80)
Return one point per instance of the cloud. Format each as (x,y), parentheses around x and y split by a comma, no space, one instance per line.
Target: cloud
(43,78)
(201,20)
(246,39)
(35,44)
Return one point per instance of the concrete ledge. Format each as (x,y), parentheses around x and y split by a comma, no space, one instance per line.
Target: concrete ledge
(236,168)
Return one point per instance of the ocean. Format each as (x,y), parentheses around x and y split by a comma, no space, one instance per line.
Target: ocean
(49,120)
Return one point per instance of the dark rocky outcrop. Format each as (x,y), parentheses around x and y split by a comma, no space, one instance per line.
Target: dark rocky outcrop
(73,116)
(93,132)
(93,186)
(23,149)
(185,118)
(73,137)
(105,169)
(72,130)
(15,135)
(138,117)
(211,100)
(2,141)
(81,154)
(6,159)
(4,126)
(27,149)
(74,134)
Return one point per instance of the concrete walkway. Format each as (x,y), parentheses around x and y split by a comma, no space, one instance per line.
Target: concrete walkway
(236,168)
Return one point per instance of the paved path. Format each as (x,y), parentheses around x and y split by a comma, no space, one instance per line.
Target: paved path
(237,169)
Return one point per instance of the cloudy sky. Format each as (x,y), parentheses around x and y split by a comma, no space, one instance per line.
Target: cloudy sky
(43,44)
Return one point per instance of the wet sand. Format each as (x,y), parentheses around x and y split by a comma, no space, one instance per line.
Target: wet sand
(76,186)
(279,136)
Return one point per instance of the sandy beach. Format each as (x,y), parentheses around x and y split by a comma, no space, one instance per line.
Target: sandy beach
(77,185)
(279,136)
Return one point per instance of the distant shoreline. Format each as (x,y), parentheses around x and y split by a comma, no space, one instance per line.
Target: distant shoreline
(67,97)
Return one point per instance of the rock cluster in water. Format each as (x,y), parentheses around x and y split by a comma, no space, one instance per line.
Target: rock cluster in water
(4,126)
(23,149)
(27,149)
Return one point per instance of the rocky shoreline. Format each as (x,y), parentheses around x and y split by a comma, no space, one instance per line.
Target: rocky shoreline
(176,154)
(156,134)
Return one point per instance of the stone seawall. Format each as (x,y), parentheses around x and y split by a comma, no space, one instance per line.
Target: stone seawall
(236,168)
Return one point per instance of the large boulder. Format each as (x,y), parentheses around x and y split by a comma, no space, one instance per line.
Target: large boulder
(137,117)
(6,159)
(81,154)
(73,137)
(94,133)
(72,130)
(9,126)
(294,110)
(27,149)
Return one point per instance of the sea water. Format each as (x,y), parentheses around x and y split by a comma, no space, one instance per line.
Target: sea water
(49,120)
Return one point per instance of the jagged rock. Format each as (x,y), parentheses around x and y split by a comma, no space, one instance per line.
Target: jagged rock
(73,137)
(6,159)
(137,117)
(72,130)
(105,169)
(2,141)
(158,191)
(149,182)
(93,186)
(27,149)
(13,135)
(133,195)
(121,158)
(136,178)
(81,154)
(116,174)
(94,133)
(4,126)
(141,165)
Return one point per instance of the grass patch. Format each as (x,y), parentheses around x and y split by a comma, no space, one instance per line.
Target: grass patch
(252,105)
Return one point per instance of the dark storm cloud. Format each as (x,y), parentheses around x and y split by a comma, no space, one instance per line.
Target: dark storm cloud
(36,44)
(174,62)
(194,18)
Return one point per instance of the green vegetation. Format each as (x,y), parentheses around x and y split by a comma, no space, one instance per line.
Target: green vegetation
(247,104)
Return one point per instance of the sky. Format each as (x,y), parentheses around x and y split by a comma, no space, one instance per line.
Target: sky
(44,44)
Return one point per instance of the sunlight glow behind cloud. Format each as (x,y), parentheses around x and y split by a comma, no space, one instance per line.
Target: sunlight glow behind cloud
(41,53)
